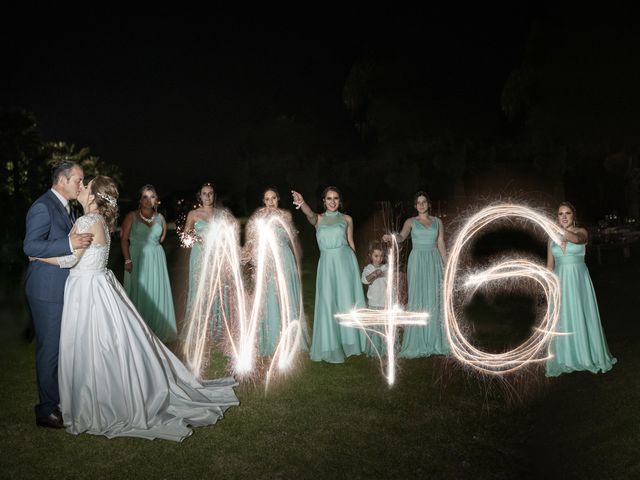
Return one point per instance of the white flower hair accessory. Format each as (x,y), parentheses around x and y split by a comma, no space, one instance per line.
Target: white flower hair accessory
(107,198)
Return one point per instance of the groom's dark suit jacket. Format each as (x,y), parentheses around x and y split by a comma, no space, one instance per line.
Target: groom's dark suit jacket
(48,227)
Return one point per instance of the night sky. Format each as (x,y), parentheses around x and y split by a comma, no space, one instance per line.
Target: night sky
(166,96)
(177,97)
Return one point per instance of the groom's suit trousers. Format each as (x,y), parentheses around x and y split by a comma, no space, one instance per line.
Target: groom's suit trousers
(46,322)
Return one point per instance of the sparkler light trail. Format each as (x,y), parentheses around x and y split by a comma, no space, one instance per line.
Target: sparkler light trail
(389,318)
(221,291)
(535,348)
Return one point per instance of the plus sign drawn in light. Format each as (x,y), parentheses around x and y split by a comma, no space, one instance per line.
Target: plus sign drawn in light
(389,318)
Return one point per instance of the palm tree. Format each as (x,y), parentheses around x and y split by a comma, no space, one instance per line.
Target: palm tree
(91,164)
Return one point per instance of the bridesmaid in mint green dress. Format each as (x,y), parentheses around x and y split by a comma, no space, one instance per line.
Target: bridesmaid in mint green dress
(270,316)
(146,279)
(195,228)
(338,287)
(199,221)
(585,348)
(424,274)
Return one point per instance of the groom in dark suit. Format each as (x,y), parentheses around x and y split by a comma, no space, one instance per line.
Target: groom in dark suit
(49,222)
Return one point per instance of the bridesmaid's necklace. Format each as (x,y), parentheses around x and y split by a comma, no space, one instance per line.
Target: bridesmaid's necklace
(145,219)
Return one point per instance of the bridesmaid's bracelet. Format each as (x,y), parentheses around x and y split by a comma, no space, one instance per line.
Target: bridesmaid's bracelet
(127,261)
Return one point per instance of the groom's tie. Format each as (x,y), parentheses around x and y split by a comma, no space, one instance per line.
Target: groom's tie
(72,214)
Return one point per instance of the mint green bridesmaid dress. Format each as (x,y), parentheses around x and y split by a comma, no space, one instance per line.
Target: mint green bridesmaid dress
(338,290)
(424,274)
(202,228)
(270,319)
(586,347)
(148,284)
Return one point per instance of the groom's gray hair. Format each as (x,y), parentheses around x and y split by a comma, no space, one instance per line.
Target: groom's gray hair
(62,168)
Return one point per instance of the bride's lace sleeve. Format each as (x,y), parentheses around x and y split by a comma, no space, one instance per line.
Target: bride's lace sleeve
(68,261)
(85,222)
(82,225)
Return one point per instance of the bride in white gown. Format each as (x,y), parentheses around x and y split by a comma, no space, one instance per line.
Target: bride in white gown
(115,377)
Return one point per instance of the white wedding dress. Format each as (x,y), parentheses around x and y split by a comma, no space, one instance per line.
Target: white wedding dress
(116,378)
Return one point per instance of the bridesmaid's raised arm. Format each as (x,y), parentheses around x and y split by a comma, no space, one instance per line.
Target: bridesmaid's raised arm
(306,209)
(576,235)
(404,233)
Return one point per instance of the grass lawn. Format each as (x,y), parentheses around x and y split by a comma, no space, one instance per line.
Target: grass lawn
(342,421)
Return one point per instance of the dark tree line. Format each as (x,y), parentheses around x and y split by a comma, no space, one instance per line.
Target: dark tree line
(422,108)
(561,127)
(25,173)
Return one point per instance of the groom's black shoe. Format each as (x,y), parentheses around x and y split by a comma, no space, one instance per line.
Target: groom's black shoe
(53,420)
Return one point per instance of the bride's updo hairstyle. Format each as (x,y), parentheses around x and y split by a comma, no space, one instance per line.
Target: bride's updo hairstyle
(105,192)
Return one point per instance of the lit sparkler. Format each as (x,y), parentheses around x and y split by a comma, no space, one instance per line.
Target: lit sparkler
(221,284)
(187,240)
(389,318)
(535,348)
(187,237)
